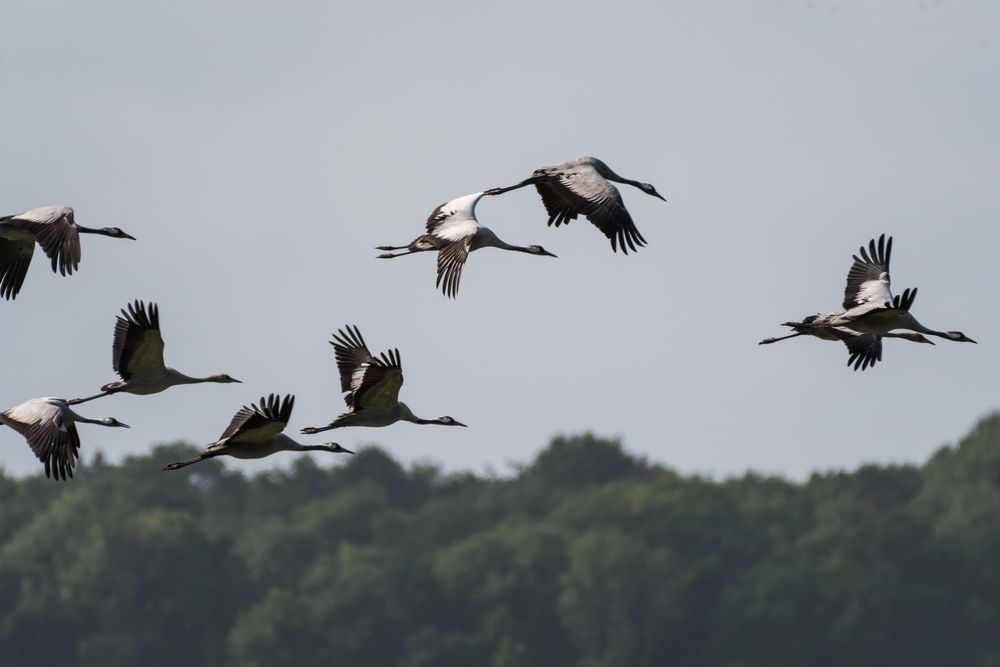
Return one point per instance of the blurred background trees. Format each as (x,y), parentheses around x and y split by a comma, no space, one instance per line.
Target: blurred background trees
(586,556)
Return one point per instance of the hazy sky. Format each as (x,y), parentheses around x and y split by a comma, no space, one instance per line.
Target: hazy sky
(259,150)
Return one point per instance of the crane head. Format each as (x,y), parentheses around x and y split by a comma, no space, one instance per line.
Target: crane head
(959,337)
(116,233)
(650,190)
(539,250)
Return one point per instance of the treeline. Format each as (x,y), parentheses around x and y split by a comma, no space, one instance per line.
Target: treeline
(588,556)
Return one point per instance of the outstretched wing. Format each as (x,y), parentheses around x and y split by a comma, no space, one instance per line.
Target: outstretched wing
(138,346)
(868,278)
(260,421)
(371,381)
(450,262)
(352,354)
(378,383)
(15,257)
(56,233)
(54,442)
(582,190)
(864,349)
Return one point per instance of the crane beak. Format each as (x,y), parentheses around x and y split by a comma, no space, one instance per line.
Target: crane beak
(657,194)
(128,236)
(550,254)
(460,424)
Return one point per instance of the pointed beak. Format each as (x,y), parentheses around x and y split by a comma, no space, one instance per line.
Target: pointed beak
(969,340)
(343,450)
(236,381)
(128,236)
(460,424)
(657,194)
(124,425)
(551,254)
(928,340)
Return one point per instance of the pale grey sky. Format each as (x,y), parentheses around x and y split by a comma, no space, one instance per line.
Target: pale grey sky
(259,150)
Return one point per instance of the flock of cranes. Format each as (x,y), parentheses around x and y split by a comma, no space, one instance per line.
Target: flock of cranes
(371,383)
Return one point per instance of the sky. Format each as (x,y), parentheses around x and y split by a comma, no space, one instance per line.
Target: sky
(259,151)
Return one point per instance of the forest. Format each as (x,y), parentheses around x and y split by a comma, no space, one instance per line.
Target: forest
(586,555)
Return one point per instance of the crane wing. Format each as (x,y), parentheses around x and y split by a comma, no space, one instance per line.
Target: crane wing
(868,277)
(55,442)
(352,355)
(453,214)
(864,350)
(450,262)
(371,381)
(56,233)
(260,421)
(138,346)
(377,383)
(15,257)
(582,190)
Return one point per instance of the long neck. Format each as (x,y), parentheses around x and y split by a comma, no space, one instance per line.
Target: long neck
(407,415)
(176,377)
(516,248)
(495,241)
(913,325)
(80,419)
(316,448)
(91,230)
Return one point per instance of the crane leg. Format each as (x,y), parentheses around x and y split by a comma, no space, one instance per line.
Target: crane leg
(181,464)
(78,401)
(768,341)
(310,430)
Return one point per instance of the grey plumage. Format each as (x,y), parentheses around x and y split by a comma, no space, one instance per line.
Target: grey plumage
(255,432)
(582,187)
(453,231)
(49,426)
(372,386)
(55,230)
(137,357)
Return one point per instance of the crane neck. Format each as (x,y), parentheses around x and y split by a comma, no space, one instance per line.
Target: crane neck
(91,230)
(176,377)
(406,415)
(80,419)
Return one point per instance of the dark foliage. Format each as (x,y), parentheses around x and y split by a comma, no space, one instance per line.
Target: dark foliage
(588,556)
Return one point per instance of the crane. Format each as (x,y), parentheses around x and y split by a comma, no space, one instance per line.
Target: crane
(864,350)
(49,426)
(372,384)
(868,301)
(256,432)
(55,230)
(137,356)
(583,187)
(453,231)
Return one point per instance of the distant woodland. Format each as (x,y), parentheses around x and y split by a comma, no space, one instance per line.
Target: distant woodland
(587,556)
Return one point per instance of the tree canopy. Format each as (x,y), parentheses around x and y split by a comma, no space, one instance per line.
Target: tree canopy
(586,556)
